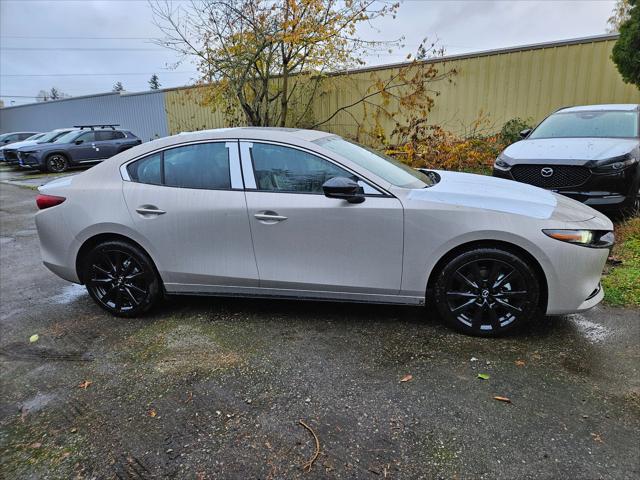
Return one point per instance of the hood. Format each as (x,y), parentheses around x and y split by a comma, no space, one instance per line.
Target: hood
(571,151)
(39,147)
(490,193)
(16,145)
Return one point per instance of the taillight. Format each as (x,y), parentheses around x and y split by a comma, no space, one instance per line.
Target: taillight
(46,201)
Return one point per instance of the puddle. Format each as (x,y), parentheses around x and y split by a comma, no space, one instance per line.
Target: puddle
(593,332)
(69,294)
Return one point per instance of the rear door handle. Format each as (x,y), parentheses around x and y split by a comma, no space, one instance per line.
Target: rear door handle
(269,217)
(149,210)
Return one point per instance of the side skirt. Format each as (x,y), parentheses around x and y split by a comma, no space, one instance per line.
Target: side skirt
(280,293)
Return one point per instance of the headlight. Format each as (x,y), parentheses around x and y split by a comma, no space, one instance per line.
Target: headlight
(586,238)
(615,164)
(501,163)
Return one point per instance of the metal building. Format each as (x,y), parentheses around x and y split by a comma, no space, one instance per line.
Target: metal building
(142,113)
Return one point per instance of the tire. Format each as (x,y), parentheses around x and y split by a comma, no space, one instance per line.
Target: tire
(121,278)
(56,163)
(487,292)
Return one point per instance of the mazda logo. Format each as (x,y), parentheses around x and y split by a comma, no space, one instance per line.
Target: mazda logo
(546,172)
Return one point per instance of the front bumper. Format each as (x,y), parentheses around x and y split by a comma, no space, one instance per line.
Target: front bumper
(28,160)
(602,191)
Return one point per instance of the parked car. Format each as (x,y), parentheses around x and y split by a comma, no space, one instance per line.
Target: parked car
(308,215)
(31,138)
(13,137)
(589,153)
(85,144)
(10,152)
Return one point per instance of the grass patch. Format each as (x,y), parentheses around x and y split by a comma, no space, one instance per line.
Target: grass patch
(622,281)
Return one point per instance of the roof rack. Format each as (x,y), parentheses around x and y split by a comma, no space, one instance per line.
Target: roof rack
(99,125)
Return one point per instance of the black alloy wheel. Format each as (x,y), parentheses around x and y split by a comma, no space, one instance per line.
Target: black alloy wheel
(57,163)
(487,292)
(121,278)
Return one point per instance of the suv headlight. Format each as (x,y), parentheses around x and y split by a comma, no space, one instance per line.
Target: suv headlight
(501,163)
(586,238)
(615,164)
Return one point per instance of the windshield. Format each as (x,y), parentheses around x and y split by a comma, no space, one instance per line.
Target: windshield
(33,137)
(393,171)
(51,136)
(598,124)
(67,137)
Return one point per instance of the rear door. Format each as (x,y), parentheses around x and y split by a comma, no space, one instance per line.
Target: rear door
(306,241)
(105,143)
(189,204)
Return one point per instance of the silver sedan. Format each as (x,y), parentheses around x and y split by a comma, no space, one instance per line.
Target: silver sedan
(309,215)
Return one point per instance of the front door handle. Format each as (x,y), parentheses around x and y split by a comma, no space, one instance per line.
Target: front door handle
(269,217)
(149,210)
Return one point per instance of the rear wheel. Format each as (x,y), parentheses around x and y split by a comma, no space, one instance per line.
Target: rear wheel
(487,292)
(121,278)
(57,163)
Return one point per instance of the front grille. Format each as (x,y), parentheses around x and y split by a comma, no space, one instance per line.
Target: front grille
(11,155)
(560,175)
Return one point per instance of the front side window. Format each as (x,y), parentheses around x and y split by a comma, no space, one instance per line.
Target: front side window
(87,137)
(593,124)
(283,169)
(202,166)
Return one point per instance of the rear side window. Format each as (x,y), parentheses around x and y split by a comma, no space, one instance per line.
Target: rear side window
(147,169)
(202,166)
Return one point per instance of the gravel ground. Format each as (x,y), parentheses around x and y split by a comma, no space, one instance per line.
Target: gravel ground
(216,388)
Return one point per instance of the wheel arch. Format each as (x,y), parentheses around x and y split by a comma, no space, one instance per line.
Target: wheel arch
(509,247)
(91,242)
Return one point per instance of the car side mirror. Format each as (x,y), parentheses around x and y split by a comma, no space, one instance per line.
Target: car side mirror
(78,142)
(7,141)
(343,188)
(525,133)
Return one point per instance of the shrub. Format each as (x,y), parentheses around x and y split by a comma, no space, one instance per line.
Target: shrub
(510,132)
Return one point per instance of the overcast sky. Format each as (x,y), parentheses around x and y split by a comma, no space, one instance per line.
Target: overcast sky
(83,47)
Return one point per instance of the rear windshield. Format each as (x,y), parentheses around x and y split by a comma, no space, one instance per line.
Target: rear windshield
(594,124)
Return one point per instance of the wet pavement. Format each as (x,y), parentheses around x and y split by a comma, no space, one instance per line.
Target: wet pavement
(216,388)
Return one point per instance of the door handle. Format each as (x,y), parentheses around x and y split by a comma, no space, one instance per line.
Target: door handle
(149,210)
(270,217)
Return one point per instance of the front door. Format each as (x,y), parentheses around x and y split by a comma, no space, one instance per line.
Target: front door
(306,241)
(83,149)
(189,205)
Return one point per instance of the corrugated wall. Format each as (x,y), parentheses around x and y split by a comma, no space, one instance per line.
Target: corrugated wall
(530,82)
(142,113)
(527,82)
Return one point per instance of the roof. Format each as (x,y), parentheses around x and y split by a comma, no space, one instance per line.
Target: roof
(618,107)
(257,133)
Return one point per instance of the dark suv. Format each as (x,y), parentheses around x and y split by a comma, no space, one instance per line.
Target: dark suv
(85,144)
(589,153)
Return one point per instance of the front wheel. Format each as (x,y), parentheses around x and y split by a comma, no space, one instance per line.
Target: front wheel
(121,278)
(57,163)
(487,292)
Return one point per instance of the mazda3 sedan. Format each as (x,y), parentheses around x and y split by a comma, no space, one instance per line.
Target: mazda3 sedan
(301,214)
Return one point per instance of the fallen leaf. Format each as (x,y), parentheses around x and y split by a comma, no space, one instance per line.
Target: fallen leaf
(406,378)
(597,438)
(85,384)
(152,412)
(520,363)
(34,338)
(38,444)
(484,376)
(502,399)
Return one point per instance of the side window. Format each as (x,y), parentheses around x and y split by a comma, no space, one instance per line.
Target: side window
(204,165)
(116,135)
(147,169)
(103,135)
(87,137)
(22,136)
(284,169)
